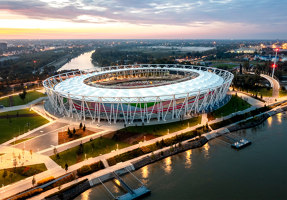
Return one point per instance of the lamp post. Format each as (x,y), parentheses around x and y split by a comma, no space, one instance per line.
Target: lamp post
(274,65)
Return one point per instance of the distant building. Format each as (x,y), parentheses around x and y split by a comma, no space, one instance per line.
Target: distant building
(3,46)
(245,50)
(266,58)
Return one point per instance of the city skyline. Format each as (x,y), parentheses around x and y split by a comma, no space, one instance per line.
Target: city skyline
(83,19)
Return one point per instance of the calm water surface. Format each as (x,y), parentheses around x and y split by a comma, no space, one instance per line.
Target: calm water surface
(82,62)
(216,171)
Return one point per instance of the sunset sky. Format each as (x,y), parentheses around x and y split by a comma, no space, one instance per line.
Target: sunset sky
(143,19)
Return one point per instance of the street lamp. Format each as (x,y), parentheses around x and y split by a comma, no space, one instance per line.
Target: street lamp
(274,65)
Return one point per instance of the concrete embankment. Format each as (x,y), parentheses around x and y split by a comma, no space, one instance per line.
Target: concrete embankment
(161,154)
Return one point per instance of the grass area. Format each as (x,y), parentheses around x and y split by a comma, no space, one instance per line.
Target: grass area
(161,129)
(264,91)
(282,93)
(235,104)
(224,65)
(16,174)
(91,149)
(105,145)
(237,118)
(21,140)
(14,126)
(30,96)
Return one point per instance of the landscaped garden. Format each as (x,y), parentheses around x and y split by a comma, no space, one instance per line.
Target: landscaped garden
(15,123)
(11,175)
(235,104)
(89,149)
(70,135)
(105,145)
(16,100)
(237,118)
(134,134)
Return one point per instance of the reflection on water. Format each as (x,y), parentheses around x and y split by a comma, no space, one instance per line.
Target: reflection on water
(115,187)
(188,158)
(279,117)
(269,121)
(85,195)
(168,167)
(144,171)
(206,148)
(220,169)
(82,62)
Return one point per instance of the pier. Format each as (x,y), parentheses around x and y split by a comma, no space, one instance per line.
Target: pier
(236,143)
(130,192)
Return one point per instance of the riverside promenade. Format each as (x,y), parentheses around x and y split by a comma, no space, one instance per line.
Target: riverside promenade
(57,171)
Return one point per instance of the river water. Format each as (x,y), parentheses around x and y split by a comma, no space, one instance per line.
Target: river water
(82,62)
(216,171)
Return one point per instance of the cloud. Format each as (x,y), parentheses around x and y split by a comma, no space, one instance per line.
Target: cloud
(173,12)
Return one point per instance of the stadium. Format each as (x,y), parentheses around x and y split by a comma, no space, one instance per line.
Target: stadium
(138,93)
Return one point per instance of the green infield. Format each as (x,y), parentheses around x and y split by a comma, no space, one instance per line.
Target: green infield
(12,175)
(235,104)
(16,100)
(15,123)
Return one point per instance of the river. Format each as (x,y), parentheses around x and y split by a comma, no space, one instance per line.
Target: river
(81,62)
(216,171)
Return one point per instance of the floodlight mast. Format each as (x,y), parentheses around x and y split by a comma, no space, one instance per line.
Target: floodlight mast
(274,65)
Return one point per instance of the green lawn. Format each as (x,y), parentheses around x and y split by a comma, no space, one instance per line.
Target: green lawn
(264,91)
(14,126)
(20,140)
(30,96)
(104,145)
(101,146)
(282,93)
(224,65)
(235,104)
(161,129)
(16,174)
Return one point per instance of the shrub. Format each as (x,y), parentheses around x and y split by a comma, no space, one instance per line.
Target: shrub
(88,169)
(64,180)
(45,180)
(27,194)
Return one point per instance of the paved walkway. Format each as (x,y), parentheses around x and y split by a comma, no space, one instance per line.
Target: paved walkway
(253,102)
(274,84)
(29,105)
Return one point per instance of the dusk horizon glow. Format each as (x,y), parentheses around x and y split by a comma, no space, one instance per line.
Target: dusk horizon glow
(84,19)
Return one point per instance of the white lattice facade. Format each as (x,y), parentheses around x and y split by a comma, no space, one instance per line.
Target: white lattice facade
(138,93)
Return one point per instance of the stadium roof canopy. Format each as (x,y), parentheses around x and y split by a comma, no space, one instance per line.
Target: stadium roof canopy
(76,88)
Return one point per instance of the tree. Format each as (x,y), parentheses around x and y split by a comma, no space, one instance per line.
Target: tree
(81,125)
(84,128)
(4,175)
(10,175)
(93,146)
(23,95)
(31,152)
(55,151)
(33,181)
(240,68)
(80,150)
(66,167)
(69,133)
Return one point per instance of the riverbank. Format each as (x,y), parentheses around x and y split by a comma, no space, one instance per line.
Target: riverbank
(172,150)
